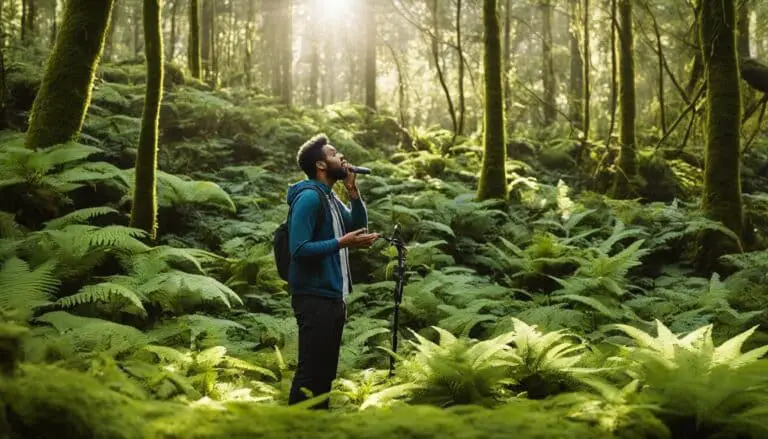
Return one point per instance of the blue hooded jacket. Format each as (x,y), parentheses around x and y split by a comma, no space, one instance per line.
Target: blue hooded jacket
(315,261)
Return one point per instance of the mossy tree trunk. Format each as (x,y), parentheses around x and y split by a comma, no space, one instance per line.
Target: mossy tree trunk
(493,175)
(743,26)
(286,52)
(370,54)
(722,184)
(109,42)
(172,36)
(577,67)
(59,109)
(144,210)
(627,162)
(586,76)
(548,64)
(193,46)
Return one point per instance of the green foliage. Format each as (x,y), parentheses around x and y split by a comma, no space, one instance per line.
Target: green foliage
(201,321)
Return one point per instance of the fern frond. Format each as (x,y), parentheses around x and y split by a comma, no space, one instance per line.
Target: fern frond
(45,160)
(89,336)
(171,289)
(22,289)
(103,292)
(78,217)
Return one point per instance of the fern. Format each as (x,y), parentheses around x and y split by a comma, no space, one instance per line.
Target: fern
(174,191)
(79,216)
(188,329)
(22,165)
(174,289)
(461,321)
(457,371)
(701,388)
(356,351)
(104,292)
(89,336)
(23,289)
(76,248)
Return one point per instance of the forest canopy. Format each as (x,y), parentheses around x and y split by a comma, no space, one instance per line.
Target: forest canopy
(581,187)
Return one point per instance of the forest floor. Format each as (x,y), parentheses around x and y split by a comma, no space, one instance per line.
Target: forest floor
(560,313)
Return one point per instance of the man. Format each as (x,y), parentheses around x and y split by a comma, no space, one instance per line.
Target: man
(319,279)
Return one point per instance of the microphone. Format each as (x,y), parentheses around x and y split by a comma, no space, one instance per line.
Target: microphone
(360,170)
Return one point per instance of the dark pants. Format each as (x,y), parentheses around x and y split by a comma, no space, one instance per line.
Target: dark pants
(321,323)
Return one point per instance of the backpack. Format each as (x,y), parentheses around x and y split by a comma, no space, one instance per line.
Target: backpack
(281,238)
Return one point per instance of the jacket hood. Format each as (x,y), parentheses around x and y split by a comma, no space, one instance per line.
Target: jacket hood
(295,188)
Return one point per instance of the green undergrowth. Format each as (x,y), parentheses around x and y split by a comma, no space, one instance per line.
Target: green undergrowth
(560,313)
(85,408)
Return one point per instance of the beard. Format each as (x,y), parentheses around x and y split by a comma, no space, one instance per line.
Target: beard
(339,173)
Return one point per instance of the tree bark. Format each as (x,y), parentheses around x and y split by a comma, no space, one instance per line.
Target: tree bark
(627,162)
(440,75)
(193,46)
(577,68)
(548,65)
(460,53)
(722,180)
(370,54)
(59,109)
(493,174)
(144,209)
(286,52)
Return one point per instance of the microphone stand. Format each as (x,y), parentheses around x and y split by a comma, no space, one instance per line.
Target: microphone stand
(399,276)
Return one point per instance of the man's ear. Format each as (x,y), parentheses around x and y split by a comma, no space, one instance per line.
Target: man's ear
(320,164)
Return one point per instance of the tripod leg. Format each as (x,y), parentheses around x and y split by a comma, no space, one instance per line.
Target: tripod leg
(394,341)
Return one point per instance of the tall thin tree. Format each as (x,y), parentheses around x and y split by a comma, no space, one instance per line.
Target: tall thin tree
(627,169)
(493,174)
(144,210)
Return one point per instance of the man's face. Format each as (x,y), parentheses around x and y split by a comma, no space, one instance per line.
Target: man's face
(335,165)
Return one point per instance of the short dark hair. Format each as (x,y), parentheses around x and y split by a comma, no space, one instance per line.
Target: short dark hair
(310,153)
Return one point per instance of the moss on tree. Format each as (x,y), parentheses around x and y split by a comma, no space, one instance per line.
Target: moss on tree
(60,107)
(193,46)
(493,175)
(144,211)
(627,162)
(722,182)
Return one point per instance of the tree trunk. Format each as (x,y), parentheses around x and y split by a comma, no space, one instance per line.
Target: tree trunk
(3,91)
(722,181)
(286,52)
(205,37)
(250,37)
(577,68)
(493,174)
(60,106)
(109,44)
(460,52)
(743,25)
(53,23)
(435,5)
(507,55)
(548,64)
(144,210)
(370,55)
(193,46)
(172,45)
(627,162)
(587,75)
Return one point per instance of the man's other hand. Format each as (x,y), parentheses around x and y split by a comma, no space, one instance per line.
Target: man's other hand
(358,239)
